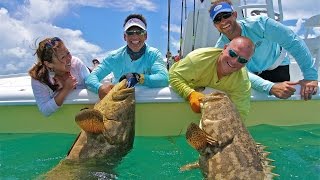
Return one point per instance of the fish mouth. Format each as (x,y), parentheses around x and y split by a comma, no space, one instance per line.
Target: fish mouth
(123,84)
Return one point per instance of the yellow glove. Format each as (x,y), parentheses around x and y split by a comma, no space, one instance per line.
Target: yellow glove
(194,100)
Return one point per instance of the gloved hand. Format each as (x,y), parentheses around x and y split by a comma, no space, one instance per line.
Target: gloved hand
(194,100)
(133,79)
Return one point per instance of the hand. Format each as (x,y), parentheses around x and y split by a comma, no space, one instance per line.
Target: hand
(133,79)
(308,88)
(194,100)
(67,82)
(104,90)
(70,83)
(283,90)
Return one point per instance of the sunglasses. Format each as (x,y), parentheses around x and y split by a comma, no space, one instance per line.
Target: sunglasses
(240,59)
(221,16)
(138,32)
(50,43)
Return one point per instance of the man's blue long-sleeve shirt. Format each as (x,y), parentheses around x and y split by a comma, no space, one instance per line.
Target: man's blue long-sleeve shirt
(119,63)
(268,36)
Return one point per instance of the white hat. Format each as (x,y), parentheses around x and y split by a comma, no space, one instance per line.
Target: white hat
(134,22)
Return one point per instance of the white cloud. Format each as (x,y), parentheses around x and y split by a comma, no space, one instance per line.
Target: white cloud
(173,28)
(27,23)
(294,9)
(36,11)
(122,5)
(19,41)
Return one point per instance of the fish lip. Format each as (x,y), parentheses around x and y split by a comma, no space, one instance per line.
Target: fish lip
(123,84)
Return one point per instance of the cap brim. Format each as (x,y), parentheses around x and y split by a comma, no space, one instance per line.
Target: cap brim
(133,24)
(222,10)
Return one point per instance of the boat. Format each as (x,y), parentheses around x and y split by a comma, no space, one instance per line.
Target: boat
(160,111)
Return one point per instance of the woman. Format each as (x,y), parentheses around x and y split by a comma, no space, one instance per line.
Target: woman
(55,74)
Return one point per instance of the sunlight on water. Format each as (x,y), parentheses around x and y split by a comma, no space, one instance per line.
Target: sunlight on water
(296,151)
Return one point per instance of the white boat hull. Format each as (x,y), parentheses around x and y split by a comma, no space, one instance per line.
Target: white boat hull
(159,111)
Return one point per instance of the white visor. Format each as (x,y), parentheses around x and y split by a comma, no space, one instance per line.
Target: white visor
(134,22)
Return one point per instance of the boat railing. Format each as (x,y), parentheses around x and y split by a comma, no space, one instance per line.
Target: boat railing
(313,42)
(257,9)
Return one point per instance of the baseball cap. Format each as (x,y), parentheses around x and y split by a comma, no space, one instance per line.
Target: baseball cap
(219,8)
(134,22)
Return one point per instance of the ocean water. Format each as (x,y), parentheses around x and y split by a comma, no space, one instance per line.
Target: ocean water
(295,149)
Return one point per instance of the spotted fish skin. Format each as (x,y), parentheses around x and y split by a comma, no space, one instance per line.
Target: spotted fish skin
(118,111)
(112,139)
(230,152)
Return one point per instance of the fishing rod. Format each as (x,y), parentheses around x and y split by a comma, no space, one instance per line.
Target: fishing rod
(168,55)
(193,24)
(181,28)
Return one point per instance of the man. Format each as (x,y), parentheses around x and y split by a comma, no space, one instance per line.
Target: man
(270,62)
(137,62)
(95,63)
(221,69)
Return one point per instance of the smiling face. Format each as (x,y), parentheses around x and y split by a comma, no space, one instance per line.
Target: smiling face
(135,40)
(228,26)
(61,59)
(234,55)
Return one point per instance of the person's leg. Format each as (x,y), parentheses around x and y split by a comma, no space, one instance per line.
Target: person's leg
(279,74)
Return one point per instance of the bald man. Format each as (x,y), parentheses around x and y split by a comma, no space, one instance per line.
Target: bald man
(221,69)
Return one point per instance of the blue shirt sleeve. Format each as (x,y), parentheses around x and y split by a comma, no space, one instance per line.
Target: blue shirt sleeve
(93,80)
(268,35)
(158,75)
(118,62)
(260,84)
(290,41)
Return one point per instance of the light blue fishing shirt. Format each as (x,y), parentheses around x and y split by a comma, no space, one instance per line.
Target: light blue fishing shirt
(118,62)
(268,35)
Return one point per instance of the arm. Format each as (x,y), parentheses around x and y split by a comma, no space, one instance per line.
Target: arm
(299,50)
(290,41)
(180,74)
(282,90)
(92,81)
(159,74)
(260,84)
(44,98)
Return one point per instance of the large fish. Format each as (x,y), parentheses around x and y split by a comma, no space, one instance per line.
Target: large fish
(108,132)
(226,148)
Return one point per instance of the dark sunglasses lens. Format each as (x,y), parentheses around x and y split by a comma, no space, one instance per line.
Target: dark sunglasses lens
(129,33)
(218,18)
(242,60)
(226,16)
(232,53)
(138,32)
(52,42)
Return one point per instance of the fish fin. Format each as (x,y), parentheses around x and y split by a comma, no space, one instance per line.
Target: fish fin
(90,120)
(190,166)
(197,138)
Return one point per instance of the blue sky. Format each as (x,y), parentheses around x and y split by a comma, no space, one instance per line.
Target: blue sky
(92,28)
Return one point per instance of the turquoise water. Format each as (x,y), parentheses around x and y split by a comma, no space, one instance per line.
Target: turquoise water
(296,151)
